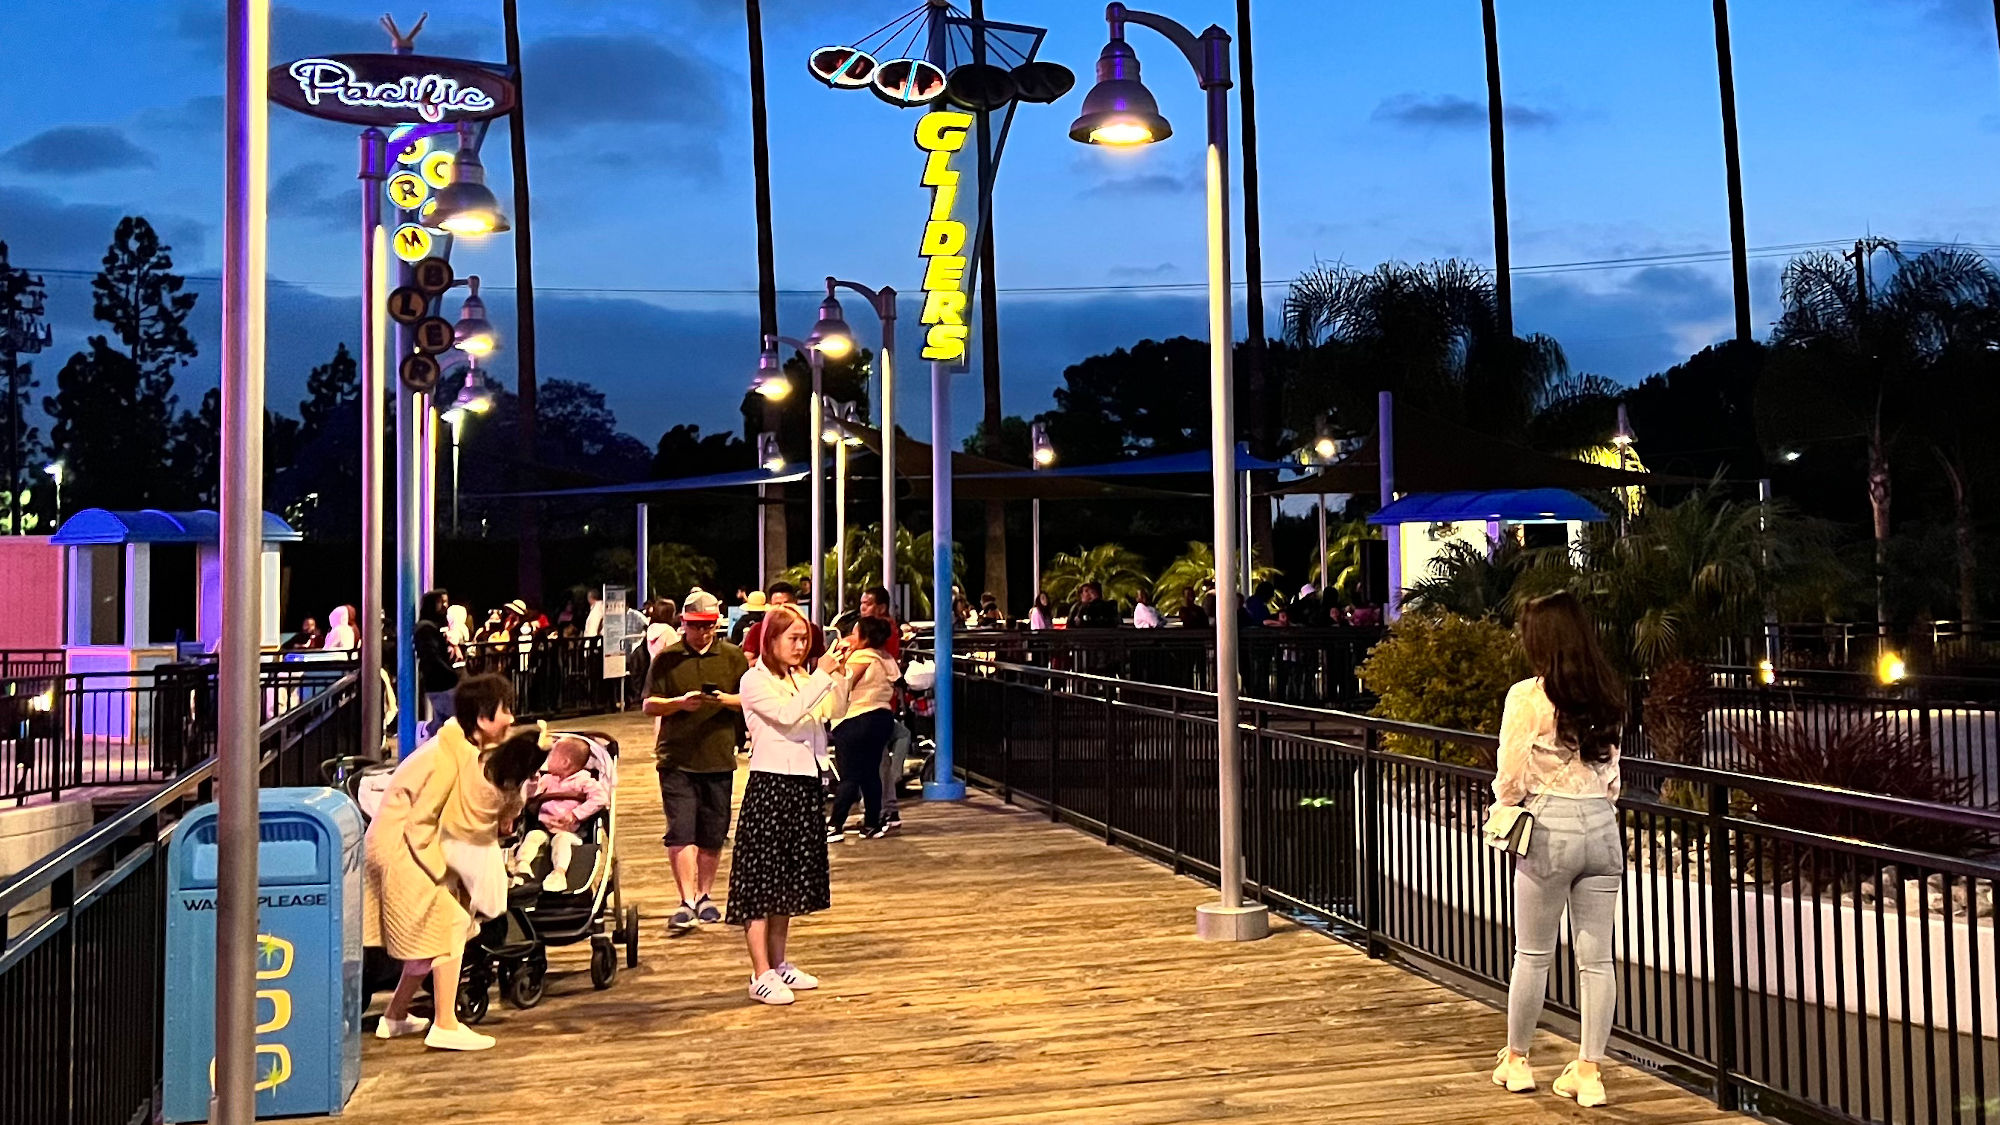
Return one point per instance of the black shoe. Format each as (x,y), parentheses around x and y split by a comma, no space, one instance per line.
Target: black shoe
(875,833)
(892,825)
(835,833)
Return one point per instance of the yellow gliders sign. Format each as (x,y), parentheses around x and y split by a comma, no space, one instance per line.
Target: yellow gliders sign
(941,133)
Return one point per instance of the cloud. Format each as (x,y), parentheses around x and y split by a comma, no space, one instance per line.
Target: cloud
(1145,273)
(1146,183)
(77,150)
(578,81)
(1449,111)
(299,32)
(316,191)
(44,232)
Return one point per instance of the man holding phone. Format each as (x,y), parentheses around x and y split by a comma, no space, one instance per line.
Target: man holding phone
(692,688)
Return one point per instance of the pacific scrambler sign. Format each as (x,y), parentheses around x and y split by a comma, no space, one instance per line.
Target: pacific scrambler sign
(389,90)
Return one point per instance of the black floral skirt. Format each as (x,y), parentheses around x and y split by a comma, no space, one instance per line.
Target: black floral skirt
(779,863)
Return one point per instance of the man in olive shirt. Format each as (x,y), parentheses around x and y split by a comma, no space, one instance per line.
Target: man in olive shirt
(692,686)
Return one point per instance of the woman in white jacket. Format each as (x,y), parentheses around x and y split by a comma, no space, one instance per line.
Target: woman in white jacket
(779,868)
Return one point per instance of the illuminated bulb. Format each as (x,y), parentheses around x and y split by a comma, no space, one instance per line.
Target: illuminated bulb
(835,346)
(1121,133)
(1767,673)
(1325,448)
(1890,668)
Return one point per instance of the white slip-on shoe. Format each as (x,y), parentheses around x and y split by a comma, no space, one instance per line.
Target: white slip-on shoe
(1512,1072)
(386,1028)
(797,979)
(1586,1092)
(460,1038)
(770,988)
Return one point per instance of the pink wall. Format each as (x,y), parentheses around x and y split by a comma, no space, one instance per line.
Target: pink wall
(31,592)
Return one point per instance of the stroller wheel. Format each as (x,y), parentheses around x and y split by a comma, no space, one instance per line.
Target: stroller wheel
(522,985)
(631,937)
(603,964)
(475,998)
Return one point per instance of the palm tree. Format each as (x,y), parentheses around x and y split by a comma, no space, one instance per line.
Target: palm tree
(1187,577)
(1120,574)
(1739,254)
(864,564)
(1343,562)
(1432,333)
(1493,581)
(1851,361)
(1496,125)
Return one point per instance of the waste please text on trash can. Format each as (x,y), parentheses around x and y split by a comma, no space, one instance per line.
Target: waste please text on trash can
(308,957)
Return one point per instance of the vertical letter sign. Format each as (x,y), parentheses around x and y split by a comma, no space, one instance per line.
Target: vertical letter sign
(941,133)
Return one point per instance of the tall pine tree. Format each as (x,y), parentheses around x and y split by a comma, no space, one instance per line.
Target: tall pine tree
(23,331)
(114,413)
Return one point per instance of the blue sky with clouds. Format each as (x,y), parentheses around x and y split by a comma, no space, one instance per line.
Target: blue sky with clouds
(1857,116)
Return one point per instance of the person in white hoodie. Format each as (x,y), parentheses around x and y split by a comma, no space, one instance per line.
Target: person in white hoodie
(340,629)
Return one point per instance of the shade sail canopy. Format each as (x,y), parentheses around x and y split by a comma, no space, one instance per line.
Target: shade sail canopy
(714,481)
(1433,455)
(1515,505)
(100,527)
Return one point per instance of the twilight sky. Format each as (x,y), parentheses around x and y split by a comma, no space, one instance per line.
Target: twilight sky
(1857,116)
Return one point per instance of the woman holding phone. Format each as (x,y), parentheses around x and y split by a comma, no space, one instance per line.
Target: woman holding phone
(779,870)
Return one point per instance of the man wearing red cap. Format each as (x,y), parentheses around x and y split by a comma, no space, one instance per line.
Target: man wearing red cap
(692,688)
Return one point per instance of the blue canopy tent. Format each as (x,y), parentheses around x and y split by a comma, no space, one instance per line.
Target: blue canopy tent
(1426,526)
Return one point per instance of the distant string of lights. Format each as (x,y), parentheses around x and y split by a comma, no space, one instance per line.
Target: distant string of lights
(1587,265)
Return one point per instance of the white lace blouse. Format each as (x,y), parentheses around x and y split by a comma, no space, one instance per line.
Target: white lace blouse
(1532,761)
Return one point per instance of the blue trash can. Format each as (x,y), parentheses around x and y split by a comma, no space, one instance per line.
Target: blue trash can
(309,994)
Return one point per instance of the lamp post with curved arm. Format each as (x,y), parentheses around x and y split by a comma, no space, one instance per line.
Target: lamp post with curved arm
(1120,111)
(829,337)
(883,301)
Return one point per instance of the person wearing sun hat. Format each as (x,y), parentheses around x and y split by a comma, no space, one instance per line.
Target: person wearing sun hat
(692,688)
(749,613)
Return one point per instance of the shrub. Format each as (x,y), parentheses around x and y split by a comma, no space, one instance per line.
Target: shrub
(1864,752)
(1446,671)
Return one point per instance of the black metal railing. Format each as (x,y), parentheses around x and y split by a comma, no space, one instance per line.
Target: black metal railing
(75,730)
(1932,646)
(553,676)
(23,662)
(83,938)
(1956,720)
(1315,667)
(1843,977)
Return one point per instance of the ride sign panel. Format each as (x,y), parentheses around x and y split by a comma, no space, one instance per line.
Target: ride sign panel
(432,335)
(407,304)
(432,275)
(388,90)
(940,133)
(419,372)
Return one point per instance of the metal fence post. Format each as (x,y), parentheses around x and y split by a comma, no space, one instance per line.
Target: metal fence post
(1722,945)
(1110,745)
(1055,758)
(1370,798)
(1176,751)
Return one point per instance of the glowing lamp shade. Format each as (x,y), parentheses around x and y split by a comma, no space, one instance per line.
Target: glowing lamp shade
(1119,110)
(1326,448)
(1041,448)
(769,454)
(473,334)
(1890,669)
(467,206)
(830,335)
(770,380)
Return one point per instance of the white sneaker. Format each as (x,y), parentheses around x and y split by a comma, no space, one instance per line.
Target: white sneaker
(1512,1072)
(460,1038)
(770,988)
(386,1028)
(556,883)
(796,978)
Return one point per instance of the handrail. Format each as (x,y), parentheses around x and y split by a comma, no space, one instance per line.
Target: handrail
(44,872)
(1959,816)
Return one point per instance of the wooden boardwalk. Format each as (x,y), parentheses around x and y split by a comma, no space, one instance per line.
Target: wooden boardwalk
(986,966)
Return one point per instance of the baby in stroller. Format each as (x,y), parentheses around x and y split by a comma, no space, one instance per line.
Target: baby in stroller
(562,797)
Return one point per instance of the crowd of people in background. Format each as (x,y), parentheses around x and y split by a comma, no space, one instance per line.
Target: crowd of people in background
(1088,608)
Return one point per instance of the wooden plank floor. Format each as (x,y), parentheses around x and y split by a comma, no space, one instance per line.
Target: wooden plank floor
(984,967)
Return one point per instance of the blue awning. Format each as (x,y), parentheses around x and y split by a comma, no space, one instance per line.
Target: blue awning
(99,527)
(673,484)
(1524,505)
(1166,464)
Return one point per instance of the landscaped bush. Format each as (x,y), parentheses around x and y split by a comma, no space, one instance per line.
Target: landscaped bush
(1863,752)
(1445,671)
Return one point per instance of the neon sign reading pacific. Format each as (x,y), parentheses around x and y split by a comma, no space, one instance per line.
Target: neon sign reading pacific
(430,96)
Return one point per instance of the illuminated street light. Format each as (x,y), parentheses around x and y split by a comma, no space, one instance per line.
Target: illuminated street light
(57,471)
(474,397)
(467,206)
(831,334)
(771,380)
(1119,110)
(772,384)
(474,334)
(1043,453)
(768,453)
(883,301)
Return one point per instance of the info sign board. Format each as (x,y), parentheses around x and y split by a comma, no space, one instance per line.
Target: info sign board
(616,640)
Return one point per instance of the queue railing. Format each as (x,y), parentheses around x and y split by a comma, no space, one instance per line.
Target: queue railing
(83,936)
(1293,665)
(1839,977)
(552,676)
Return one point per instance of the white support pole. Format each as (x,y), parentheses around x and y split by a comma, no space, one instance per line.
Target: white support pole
(247,149)
(645,590)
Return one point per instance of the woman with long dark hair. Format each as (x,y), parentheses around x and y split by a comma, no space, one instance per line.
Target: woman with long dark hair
(1559,759)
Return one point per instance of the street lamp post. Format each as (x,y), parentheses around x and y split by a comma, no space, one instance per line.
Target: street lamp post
(56,471)
(1043,452)
(1119,110)
(837,437)
(829,337)
(473,398)
(883,301)
(772,460)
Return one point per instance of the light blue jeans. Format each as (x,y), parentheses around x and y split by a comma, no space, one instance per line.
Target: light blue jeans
(1574,863)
